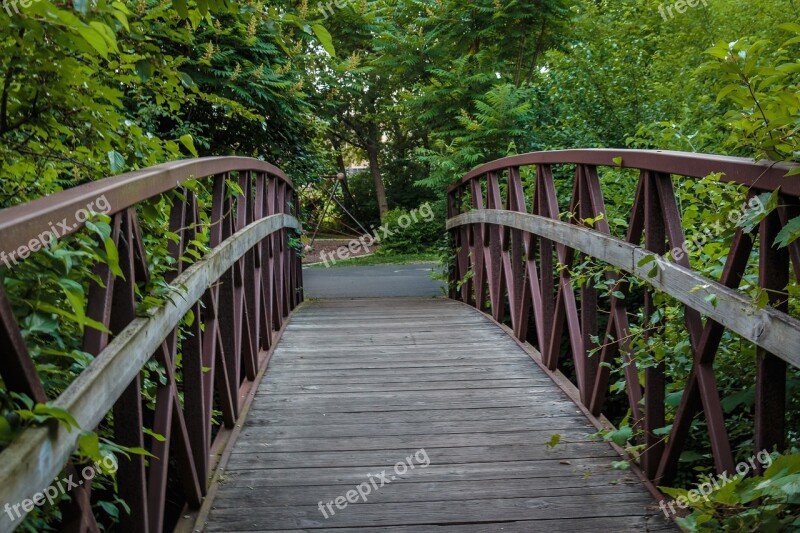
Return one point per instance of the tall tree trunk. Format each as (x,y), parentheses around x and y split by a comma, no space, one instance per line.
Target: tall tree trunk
(380,189)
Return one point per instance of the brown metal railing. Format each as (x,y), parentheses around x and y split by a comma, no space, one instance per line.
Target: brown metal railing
(240,294)
(516,258)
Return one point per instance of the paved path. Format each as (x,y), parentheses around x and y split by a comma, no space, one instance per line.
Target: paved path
(360,391)
(384,281)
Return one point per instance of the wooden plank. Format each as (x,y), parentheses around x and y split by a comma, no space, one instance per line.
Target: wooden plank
(634,524)
(261,439)
(423,513)
(322,365)
(359,394)
(550,425)
(350,388)
(409,491)
(542,470)
(496,419)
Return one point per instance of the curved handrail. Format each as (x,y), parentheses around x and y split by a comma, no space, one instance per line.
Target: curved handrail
(21,223)
(759,175)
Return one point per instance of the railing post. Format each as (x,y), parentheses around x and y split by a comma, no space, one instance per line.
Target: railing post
(773,277)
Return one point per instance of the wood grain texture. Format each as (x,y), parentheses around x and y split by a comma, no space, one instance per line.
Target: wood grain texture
(379,380)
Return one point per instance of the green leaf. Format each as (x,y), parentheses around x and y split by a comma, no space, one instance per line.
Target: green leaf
(712,299)
(646,259)
(139,451)
(6,432)
(76,298)
(69,316)
(620,436)
(81,6)
(117,161)
(617,161)
(145,70)
(789,233)
(187,80)
(324,38)
(156,436)
(663,431)
(109,508)
(95,39)
(113,257)
(56,413)
(673,399)
(554,440)
(181,7)
(188,142)
(89,446)
(790,26)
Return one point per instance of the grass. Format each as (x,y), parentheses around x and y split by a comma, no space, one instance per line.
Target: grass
(383,259)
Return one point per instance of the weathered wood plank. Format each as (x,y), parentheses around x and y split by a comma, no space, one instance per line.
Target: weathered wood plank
(261,440)
(423,513)
(251,475)
(488,384)
(436,491)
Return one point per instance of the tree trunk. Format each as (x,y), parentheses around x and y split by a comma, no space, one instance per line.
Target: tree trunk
(343,170)
(380,190)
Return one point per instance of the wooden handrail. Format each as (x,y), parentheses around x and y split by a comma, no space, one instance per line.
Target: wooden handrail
(771,329)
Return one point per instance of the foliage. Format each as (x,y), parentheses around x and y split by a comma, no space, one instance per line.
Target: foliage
(758,503)
(409,233)
(386,258)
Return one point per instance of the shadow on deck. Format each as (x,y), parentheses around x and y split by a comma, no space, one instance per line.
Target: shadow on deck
(357,387)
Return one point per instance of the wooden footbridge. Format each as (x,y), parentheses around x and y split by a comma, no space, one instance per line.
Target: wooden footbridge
(468,413)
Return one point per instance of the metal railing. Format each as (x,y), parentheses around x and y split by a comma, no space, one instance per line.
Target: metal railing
(516,259)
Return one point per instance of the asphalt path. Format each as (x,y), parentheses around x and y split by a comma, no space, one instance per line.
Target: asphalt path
(381,281)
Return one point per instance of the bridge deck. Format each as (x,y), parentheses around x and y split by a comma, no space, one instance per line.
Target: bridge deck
(357,386)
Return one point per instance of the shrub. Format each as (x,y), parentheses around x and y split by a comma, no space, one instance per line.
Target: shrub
(412,232)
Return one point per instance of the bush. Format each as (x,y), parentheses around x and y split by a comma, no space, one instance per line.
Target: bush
(412,232)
